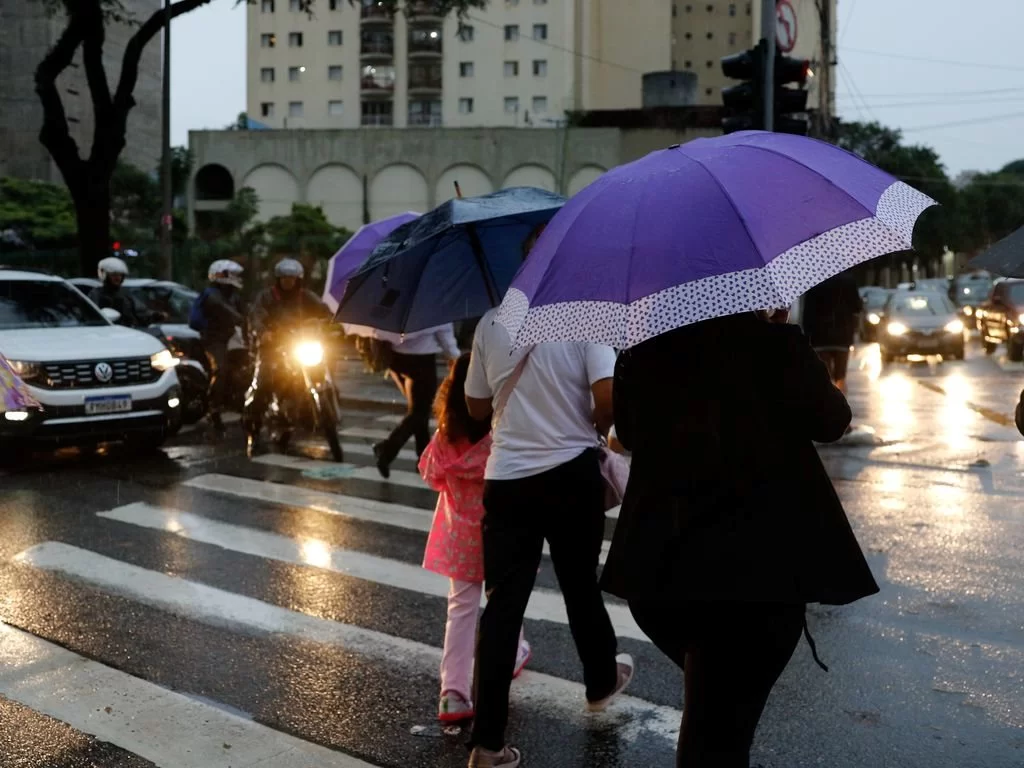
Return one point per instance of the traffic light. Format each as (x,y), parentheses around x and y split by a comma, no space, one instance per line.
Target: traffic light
(790,102)
(744,103)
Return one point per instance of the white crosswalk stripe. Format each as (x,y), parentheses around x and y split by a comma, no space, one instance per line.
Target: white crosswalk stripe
(199,602)
(322,468)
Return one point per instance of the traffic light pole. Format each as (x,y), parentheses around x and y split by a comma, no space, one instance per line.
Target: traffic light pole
(768,32)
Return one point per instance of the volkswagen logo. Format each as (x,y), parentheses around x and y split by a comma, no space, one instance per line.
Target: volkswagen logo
(104,372)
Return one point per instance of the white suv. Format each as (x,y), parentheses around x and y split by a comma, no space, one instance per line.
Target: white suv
(96,381)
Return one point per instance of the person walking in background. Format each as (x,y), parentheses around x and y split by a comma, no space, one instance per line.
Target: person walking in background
(730,524)
(829,318)
(413,366)
(453,465)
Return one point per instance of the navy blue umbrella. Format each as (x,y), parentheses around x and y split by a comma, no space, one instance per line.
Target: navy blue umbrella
(453,263)
(1005,258)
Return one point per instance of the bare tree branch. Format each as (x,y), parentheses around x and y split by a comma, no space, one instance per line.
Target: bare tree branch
(54,134)
(92,22)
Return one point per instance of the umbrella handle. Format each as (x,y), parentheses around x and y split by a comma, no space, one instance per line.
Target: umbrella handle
(458,190)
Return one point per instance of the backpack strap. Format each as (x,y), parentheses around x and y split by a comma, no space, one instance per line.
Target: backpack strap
(502,397)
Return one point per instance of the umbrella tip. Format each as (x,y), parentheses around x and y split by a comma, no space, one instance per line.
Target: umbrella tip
(675,146)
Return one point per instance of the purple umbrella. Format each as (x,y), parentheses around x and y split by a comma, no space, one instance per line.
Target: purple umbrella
(355,252)
(714,227)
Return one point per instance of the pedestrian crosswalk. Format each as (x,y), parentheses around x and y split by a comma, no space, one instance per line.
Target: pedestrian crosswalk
(286,552)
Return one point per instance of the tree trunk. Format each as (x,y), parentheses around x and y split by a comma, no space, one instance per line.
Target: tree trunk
(92,211)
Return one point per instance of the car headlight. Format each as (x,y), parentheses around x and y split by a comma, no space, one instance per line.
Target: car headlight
(874,319)
(955,326)
(163,360)
(26,370)
(309,353)
(897,329)
(968,310)
(1020,319)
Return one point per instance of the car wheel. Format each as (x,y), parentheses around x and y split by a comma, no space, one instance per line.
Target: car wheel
(989,347)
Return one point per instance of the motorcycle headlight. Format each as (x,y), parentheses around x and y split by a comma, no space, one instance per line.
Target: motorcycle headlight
(874,319)
(955,326)
(309,353)
(897,329)
(968,310)
(163,360)
(26,370)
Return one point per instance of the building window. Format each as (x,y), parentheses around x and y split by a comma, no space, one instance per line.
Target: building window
(267,75)
(511,32)
(294,6)
(334,37)
(540,2)
(334,108)
(748,9)
(511,103)
(708,91)
(710,35)
(295,109)
(295,74)
(267,109)
(675,10)
(294,39)
(710,64)
(268,41)
(511,2)
(466,33)
(465,69)
(511,69)
(425,113)
(465,106)
(732,38)
(333,5)
(711,8)
(732,9)
(688,65)
(540,104)
(688,35)
(689,9)
(378,113)
(540,68)
(334,72)
(267,6)
(540,31)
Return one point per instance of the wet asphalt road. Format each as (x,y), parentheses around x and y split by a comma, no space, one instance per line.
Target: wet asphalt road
(286,592)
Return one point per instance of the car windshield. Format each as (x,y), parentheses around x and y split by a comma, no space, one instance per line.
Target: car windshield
(920,305)
(972,291)
(44,304)
(175,302)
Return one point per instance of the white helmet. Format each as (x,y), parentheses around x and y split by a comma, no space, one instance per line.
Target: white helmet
(111,266)
(226,272)
(289,268)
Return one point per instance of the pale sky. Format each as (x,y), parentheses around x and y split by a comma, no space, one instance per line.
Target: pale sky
(208,73)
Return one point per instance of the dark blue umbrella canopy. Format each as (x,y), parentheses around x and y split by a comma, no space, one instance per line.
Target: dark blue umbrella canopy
(453,263)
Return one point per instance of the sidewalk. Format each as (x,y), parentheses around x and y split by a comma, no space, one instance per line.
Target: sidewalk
(358,388)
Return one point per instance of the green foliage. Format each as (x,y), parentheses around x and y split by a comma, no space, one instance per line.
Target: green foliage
(991,207)
(304,232)
(38,214)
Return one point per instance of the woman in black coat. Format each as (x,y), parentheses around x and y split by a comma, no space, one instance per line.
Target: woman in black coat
(730,525)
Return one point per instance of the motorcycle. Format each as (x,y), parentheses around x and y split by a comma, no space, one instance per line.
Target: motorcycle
(304,394)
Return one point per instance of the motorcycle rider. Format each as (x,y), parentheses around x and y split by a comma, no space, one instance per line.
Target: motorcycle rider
(113,271)
(216,314)
(285,304)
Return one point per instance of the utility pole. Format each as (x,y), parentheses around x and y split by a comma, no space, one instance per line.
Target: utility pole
(768,33)
(167,213)
(824,130)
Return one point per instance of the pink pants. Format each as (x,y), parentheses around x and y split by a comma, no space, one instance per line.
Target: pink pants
(460,637)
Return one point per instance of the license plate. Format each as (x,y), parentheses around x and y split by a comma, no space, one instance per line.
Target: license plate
(96,406)
(928,343)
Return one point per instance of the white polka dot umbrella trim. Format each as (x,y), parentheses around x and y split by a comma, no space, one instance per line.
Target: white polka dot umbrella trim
(777,284)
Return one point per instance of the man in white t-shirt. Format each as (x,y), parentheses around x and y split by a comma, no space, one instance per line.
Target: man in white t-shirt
(543,481)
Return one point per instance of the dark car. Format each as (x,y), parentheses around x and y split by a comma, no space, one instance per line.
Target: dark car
(921,323)
(1000,319)
(873,299)
(969,292)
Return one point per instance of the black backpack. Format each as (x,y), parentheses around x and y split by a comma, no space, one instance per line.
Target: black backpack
(376,353)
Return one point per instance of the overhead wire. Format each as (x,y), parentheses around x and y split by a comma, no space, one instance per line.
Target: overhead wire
(930,60)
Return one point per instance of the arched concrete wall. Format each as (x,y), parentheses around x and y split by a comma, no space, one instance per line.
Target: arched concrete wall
(398,188)
(339,191)
(214,182)
(276,187)
(472,180)
(584,177)
(531,175)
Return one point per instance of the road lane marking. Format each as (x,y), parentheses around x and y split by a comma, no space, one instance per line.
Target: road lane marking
(351,472)
(159,725)
(351,507)
(544,605)
(994,416)
(365,433)
(365,449)
(636,718)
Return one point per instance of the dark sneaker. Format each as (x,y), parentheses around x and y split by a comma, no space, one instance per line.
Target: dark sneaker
(626,668)
(383,466)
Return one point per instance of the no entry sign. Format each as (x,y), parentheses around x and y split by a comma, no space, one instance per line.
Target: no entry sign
(785,26)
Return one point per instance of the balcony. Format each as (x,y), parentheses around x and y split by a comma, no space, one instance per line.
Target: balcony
(425,121)
(373,12)
(420,11)
(377,87)
(425,85)
(425,44)
(376,49)
(378,121)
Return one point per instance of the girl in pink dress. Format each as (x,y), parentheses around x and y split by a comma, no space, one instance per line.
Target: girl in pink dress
(453,465)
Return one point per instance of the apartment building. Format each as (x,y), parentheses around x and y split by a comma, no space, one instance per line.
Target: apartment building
(27,33)
(703,31)
(519,63)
